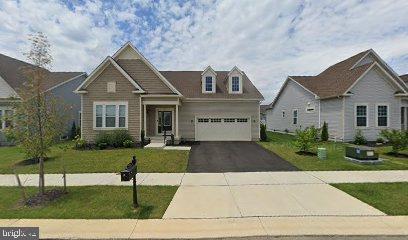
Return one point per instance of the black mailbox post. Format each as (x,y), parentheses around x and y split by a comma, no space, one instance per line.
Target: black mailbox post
(128,174)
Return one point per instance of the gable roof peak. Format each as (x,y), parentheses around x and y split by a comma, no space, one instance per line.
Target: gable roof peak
(237,69)
(209,68)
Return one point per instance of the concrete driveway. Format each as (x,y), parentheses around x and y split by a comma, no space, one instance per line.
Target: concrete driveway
(262,194)
(215,157)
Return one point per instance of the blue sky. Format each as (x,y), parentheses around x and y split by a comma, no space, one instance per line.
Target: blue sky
(269,40)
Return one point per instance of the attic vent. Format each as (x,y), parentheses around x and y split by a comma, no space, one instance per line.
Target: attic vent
(111,87)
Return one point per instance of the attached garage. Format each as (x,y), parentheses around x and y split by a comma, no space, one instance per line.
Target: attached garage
(223,129)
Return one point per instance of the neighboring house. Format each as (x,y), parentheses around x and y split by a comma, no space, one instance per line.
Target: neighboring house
(60,84)
(361,92)
(127,92)
(263,113)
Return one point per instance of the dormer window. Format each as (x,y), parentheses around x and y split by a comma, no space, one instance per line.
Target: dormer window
(208,84)
(235,81)
(208,80)
(235,84)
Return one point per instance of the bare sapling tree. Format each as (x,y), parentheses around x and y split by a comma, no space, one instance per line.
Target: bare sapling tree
(38,118)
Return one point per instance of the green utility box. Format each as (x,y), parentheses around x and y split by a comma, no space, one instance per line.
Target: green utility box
(361,153)
(322,153)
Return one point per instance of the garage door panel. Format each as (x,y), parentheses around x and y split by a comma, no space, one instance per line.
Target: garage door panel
(223,129)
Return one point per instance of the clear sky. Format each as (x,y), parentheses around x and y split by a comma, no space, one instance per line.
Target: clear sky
(269,40)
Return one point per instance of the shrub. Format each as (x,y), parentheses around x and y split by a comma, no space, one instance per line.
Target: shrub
(359,138)
(142,137)
(306,139)
(114,138)
(119,137)
(264,137)
(103,139)
(397,139)
(380,140)
(128,144)
(79,143)
(73,132)
(325,132)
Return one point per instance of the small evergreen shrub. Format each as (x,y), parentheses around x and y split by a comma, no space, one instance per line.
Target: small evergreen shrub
(142,137)
(398,139)
(128,144)
(264,136)
(325,132)
(306,139)
(359,138)
(73,132)
(380,140)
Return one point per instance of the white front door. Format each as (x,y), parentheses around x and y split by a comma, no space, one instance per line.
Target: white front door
(223,129)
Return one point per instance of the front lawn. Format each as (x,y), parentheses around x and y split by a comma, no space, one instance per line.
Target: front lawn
(96,161)
(390,198)
(282,144)
(91,202)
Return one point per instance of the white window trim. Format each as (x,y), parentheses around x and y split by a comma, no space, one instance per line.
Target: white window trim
(104,103)
(388,114)
(205,84)
(239,84)
(3,123)
(297,116)
(367,116)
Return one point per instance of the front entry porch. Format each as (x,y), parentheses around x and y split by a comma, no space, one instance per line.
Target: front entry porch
(160,118)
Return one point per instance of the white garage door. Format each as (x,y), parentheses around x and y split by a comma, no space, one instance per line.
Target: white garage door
(223,129)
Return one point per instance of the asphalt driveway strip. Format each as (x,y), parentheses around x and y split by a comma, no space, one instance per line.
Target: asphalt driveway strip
(217,157)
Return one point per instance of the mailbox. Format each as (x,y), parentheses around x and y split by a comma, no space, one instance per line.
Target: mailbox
(130,171)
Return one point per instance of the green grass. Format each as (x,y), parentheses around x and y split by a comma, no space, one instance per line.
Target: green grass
(89,161)
(91,202)
(283,145)
(390,198)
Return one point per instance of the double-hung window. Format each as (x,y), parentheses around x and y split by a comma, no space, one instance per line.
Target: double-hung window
(208,84)
(5,118)
(110,115)
(361,116)
(382,115)
(295,116)
(235,84)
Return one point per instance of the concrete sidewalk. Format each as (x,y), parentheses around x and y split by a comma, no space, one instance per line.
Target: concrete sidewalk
(214,228)
(215,179)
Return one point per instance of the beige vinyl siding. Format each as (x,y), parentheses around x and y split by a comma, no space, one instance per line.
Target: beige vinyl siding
(292,97)
(144,76)
(97,91)
(189,110)
(332,114)
(374,88)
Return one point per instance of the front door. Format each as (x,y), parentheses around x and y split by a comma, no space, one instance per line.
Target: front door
(164,122)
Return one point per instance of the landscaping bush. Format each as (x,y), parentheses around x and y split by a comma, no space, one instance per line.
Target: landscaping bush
(114,139)
(128,144)
(359,138)
(119,137)
(73,132)
(79,143)
(398,139)
(264,137)
(380,140)
(306,139)
(103,139)
(142,137)
(325,132)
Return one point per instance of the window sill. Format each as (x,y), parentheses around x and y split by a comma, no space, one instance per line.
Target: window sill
(109,128)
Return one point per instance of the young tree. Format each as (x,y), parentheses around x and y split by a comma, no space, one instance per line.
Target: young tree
(37,117)
(325,132)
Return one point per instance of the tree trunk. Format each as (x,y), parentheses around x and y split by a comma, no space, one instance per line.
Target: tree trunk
(41,177)
(23,194)
(64,175)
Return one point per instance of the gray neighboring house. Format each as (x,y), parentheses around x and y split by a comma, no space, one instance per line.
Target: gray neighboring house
(127,92)
(263,113)
(361,92)
(60,84)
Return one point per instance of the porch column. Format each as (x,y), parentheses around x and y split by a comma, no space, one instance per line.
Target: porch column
(144,119)
(177,121)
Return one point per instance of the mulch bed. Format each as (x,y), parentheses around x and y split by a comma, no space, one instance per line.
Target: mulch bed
(306,153)
(48,196)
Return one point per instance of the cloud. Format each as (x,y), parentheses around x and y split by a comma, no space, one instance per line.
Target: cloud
(267,39)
